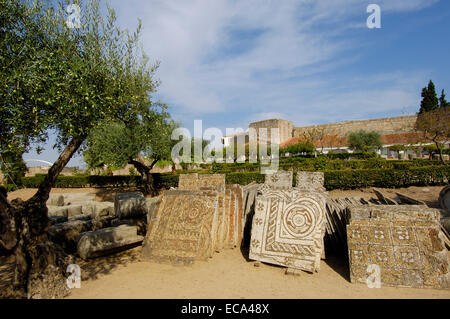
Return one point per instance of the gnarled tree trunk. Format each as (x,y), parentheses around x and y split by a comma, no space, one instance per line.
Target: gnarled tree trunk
(147,177)
(40,265)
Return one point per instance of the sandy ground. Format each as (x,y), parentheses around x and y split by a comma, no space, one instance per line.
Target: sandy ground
(228,274)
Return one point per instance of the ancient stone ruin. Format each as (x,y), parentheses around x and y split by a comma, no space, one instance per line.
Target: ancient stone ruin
(405,242)
(281,224)
(192,222)
(82,225)
(288,224)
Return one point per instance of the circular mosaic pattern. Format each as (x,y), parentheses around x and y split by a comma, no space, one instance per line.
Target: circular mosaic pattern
(301,219)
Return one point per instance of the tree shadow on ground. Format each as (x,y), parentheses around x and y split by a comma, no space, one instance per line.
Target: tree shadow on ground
(92,269)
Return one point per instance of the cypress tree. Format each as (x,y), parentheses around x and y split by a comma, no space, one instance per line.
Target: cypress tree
(430,101)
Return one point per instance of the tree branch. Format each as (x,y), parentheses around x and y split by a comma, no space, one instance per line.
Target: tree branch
(44,188)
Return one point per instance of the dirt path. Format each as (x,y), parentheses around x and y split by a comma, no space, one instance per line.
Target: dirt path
(227,275)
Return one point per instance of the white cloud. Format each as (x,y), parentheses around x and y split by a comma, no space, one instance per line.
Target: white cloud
(205,69)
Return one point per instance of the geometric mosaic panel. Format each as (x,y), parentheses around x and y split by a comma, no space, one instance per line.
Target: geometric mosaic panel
(184,227)
(310,181)
(404,241)
(279,180)
(208,182)
(188,181)
(288,228)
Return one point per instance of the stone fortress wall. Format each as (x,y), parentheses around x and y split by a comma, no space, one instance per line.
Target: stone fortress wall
(400,124)
(286,128)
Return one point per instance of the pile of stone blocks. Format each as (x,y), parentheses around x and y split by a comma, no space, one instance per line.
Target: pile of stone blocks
(91,228)
(77,204)
(289,223)
(405,242)
(192,222)
(107,241)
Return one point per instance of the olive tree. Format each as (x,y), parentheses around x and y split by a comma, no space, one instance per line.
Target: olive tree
(363,141)
(65,80)
(433,126)
(117,143)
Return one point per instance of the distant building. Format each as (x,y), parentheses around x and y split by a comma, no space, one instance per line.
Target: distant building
(333,137)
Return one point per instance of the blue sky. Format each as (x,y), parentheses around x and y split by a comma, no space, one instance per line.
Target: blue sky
(232,62)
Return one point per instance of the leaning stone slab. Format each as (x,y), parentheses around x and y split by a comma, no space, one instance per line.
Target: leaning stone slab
(288,228)
(130,205)
(404,242)
(214,182)
(108,240)
(55,200)
(236,229)
(279,180)
(184,227)
(211,180)
(226,224)
(405,199)
(310,181)
(188,181)
(383,198)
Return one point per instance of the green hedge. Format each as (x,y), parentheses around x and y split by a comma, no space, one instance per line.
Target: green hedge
(319,164)
(361,178)
(388,178)
(9,187)
(334,179)
(79,181)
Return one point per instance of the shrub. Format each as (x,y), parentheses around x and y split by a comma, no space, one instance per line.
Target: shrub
(404,176)
(390,178)
(364,141)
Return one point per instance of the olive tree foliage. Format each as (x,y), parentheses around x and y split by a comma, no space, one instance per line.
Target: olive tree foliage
(363,141)
(54,78)
(434,126)
(135,142)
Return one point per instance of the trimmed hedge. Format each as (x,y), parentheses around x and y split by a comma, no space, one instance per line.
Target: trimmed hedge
(9,187)
(79,181)
(388,178)
(319,164)
(351,179)
(334,179)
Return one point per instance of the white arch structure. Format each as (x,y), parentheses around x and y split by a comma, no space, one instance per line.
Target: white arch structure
(40,161)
